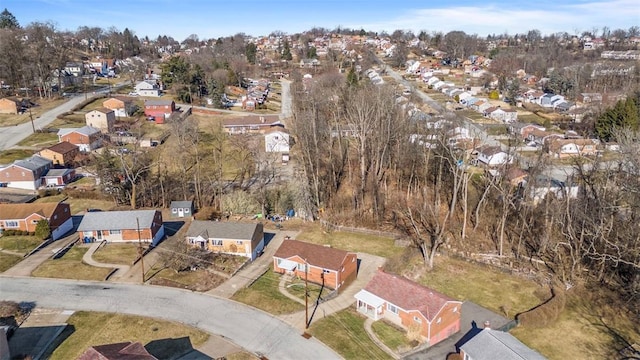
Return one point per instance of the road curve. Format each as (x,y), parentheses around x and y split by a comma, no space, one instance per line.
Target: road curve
(254,330)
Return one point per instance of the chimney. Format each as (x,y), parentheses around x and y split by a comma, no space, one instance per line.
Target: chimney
(487,324)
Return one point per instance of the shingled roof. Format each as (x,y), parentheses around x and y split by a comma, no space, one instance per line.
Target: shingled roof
(21,211)
(407,294)
(63,147)
(315,255)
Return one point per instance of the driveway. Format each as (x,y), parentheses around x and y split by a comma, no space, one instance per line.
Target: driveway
(253,330)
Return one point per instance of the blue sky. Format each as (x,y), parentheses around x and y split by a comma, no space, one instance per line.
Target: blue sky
(214,18)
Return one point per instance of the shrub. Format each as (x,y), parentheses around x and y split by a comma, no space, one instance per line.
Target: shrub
(494,95)
(43,229)
(9,308)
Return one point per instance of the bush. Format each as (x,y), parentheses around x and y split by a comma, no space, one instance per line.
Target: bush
(9,308)
(545,313)
(16,233)
(494,95)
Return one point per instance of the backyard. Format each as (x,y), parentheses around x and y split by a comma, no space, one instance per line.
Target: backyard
(356,242)
(79,205)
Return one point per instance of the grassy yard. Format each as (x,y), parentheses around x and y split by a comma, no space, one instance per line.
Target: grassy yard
(69,121)
(21,244)
(79,205)
(483,285)
(8,260)
(123,254)
(94,328)
(70,266)
(11,155)
(344,332)
(371,244)
(198,280)
(40,139)
(264,295)
(44,105)
(587,327)
(395,338)
(296,288)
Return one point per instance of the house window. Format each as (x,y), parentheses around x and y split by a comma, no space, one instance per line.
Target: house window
(455,309)
(301,267)
(115,232)
(34,221)
(392,308)
(174,211)
(439,321)
(22,174)
(326,271)
(216,242)
(239,242)
(186,210)
(11,224)
(417,319)
(192,241)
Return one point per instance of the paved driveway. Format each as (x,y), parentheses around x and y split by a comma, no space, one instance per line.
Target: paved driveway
(253,330)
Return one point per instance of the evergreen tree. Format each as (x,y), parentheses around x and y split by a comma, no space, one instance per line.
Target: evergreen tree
(624,115)
(42,229)
(286,51)
(8,21)
(250,52)
(352,78)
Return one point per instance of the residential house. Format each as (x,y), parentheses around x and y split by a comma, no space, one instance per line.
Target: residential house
(589,97)
(543,137)
(120,351)
(121,106)
(562,148)
(319,264)
(492,156)
(516,176)
(25,174)
(251,124)
(101,118)
(9,106)
(276,140)
(491,344)
(58,177)
(241,239)
(418,309)
(87,138)
(122,226)
(522,130)
(25,217)
(61,154)
(160,110)
(482,105)
(500,114)
(180,209)
(148,88)
(545,185)
(74,68)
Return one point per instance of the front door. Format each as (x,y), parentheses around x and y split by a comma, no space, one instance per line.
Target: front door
(180,212)
(99,235)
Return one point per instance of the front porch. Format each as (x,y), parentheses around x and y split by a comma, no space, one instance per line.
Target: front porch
(369,305)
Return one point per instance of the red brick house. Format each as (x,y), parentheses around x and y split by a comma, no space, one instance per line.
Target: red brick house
(119,351)
(334,267)
(122,226)
(25,217)
(86,138)
(25,174)
(420,310)
(159,109)
(62,153)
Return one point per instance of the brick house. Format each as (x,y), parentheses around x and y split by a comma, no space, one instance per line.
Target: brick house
(87,138)
(25,174)
(421,310)
(122,226)
(227,237)
(101,118)
(159,109)
(25,217)
(62,153)
(334,267)
(121,106)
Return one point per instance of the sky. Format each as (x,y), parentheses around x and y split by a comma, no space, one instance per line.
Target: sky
(215,18)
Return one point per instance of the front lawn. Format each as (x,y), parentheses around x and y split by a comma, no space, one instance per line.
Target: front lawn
(264,295)
(296,288)
(8,260)
(95,328)
(395,338)
(124,254)
(20,243)
(70,266)
(344,332)
(356,242)
(197,280)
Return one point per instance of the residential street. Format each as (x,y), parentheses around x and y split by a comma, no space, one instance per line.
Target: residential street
(254,330)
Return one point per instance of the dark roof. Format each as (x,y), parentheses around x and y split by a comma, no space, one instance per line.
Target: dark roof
(490,150)
(491,344)
(316,255)
(63,147)
(182,204)
(158,102)
(33,163)
(266,120)
(407,294)
(222,230)
(120,351)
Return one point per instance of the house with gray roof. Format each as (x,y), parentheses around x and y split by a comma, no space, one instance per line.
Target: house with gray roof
(25,174)
(128,226)
(181,209)
(86,138)
(491,344)
(242,239)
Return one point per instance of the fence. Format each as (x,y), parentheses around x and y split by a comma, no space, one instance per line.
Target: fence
(335,227)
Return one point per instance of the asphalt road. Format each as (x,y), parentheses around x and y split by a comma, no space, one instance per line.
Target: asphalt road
(253,330)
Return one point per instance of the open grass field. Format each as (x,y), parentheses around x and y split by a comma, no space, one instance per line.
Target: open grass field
(371,244)
(264,295)
(22,244)
(40,139)
(198,280)
(70,266)
(344,332)
(11,155)
(8,260)
(94,328)
(69,121)
(112,253)
(44,105)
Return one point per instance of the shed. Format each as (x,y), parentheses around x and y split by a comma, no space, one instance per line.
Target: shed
(180,209)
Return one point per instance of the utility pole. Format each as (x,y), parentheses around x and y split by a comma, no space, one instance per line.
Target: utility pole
(306,295)
(140,251)
(31,117)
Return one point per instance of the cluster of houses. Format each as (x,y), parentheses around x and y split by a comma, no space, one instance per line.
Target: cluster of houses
(257,93)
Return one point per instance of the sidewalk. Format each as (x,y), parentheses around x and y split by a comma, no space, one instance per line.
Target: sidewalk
(253,270)
(88,258)
(374,338)
(369,264)
(26,266)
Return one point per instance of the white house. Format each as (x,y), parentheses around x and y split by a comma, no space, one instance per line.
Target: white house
(504,115)
(559,189)
(148,88)
(492,156)
(276,140)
